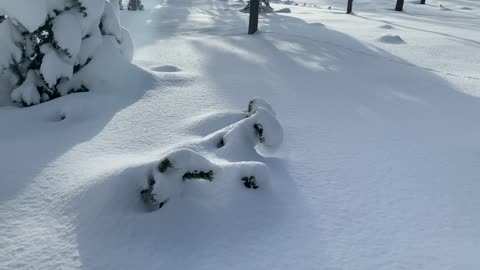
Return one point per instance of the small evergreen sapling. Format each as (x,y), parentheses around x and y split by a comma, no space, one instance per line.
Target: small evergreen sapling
(259,132)
(149,197)
(164,165)
(198,175)
(250,182)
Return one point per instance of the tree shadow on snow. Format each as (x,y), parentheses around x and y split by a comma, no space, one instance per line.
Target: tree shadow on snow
(36,136)
(187,232)
(342,104)
(333,94)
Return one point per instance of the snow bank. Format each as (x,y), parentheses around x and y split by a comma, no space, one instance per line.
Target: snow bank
(391,39)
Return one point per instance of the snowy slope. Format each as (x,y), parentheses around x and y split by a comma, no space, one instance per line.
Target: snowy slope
(378,169)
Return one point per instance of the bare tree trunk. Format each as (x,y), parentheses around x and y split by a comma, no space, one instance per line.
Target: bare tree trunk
(349,6)
(253,22)
(133,4)
(399,6)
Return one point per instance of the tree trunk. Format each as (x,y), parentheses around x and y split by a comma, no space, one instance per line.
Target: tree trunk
(399,6)
(350,6)
(253,22)
(133,4)
(422,2)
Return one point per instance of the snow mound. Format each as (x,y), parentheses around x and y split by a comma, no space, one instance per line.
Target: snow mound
(387,26)
(391,39)
(166,68)
(68,34)
(27,91)
(192,165)
(284,10)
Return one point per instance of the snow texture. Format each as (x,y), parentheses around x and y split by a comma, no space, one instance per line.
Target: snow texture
(54,66)
(27,91)
(67,34)
(110,22)
(378,168)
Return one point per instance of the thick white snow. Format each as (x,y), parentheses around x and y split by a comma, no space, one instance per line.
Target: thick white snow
(89,45)
(126,45)
(378,168)
(110,21)
(27,91)
(8,45)
(67,34)
(53,66)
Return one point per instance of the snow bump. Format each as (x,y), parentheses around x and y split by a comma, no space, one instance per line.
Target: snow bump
(391,39)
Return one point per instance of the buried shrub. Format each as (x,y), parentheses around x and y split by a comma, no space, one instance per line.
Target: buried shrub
(250,182)
(237,141)
(164,165)
(149,197)
(259,132)
(198,175)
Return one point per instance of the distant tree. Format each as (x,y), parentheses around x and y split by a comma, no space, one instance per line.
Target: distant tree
(422,2)
(349,6)
(120,4)
(399,6)
(135,5)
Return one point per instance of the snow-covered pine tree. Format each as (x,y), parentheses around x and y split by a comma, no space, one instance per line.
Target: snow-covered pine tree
(45,44)
(135,5)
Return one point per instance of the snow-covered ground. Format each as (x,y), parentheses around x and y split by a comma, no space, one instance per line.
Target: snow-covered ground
(378,167)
